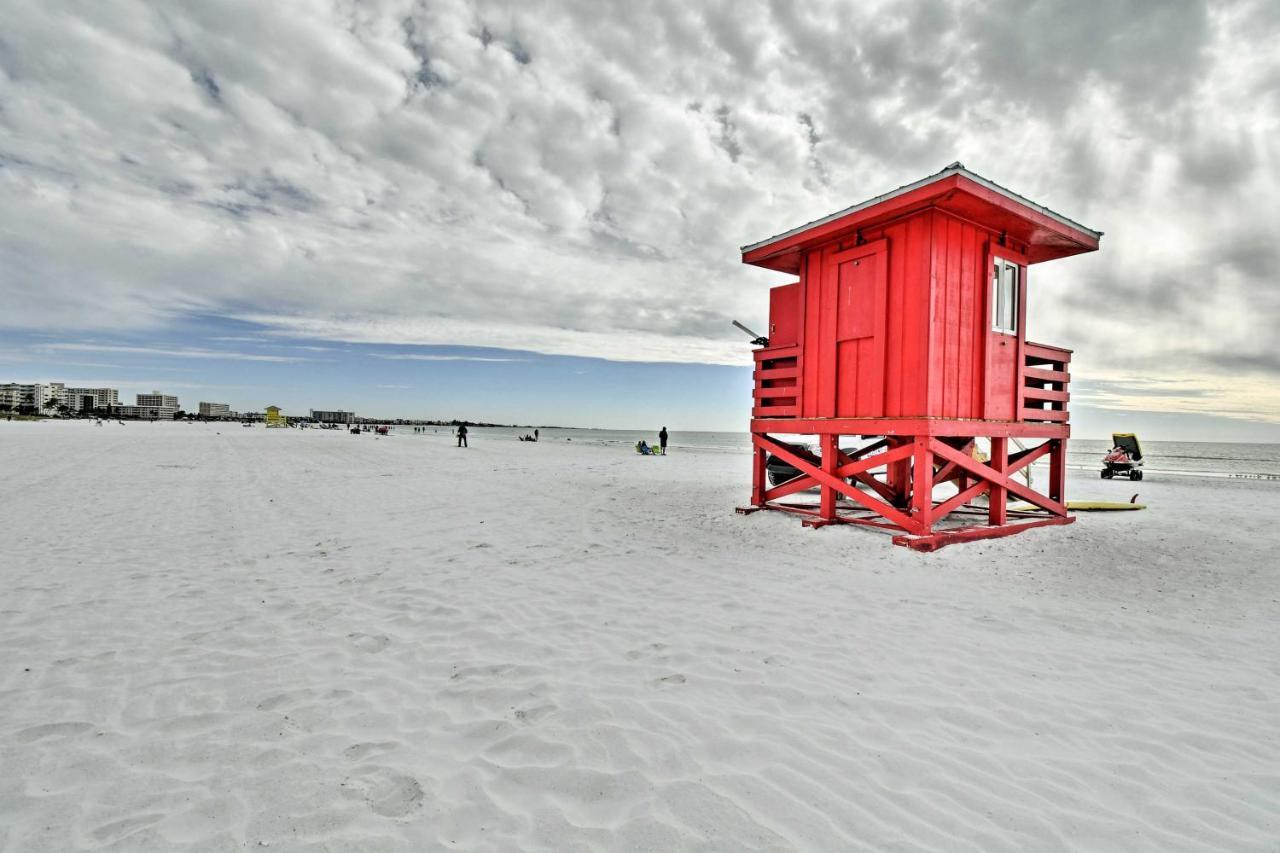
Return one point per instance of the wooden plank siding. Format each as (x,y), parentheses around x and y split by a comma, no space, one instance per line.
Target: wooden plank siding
(957,321)
(924,351)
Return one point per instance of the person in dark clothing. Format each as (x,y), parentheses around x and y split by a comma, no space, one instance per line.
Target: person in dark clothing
(462,435)
(662,441)
(535,435)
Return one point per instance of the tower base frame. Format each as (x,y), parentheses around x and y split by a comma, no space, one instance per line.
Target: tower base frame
(889,484)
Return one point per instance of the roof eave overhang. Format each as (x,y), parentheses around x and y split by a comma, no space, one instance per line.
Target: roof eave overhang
(782,251)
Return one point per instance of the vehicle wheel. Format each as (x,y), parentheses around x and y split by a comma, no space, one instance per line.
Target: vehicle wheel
(1106,474)
(1135,475)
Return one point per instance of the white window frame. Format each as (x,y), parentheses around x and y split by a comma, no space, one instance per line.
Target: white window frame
(1006,279)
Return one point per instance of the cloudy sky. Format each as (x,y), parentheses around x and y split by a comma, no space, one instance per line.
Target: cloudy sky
(532,210)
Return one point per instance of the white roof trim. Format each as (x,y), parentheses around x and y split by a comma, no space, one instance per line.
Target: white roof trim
(954,169)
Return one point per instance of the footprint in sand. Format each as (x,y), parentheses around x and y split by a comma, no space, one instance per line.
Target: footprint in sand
(670,679)
(361,751)
(305,696)
(392,795)
(369,642)
(109,833)
(532,715)
(47,730)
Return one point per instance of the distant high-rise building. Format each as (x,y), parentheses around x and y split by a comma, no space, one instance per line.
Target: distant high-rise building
(334,417)
(41,397)
(214,410)
(155,406)
(86,399)
(155,398)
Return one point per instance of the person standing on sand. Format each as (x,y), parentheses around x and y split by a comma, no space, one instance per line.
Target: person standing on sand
(662,440)
(535,435)
(462,435)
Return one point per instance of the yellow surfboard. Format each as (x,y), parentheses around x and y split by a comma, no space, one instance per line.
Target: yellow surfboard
(1088,506)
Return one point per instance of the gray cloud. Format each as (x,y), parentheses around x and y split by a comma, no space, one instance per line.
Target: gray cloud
(185,352)
(575,178)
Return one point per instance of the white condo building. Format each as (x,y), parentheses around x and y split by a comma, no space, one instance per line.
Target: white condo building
(159,400)
(81,399)
(44,397)
(332,417)
(155,406)
(215,410)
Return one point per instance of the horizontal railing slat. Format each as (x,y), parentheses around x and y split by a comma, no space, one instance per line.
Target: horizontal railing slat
(1042,375)
(1046,394)
(1054,415)
(771,353)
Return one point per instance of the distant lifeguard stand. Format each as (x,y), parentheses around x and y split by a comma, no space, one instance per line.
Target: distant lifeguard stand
(274,418)
(907,327)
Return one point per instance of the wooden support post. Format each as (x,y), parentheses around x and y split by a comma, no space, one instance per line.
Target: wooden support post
(830,446)
(759,476)
(922,485)
(999,505)
(898,476)
(1058,470)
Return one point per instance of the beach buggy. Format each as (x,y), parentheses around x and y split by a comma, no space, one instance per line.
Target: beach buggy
(1124,459)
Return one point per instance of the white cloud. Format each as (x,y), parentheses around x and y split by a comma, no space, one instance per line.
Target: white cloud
(183,352)
(427,357)
(575,179)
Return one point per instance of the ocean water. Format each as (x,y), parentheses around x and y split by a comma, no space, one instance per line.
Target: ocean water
(1184,458)
(1189,458)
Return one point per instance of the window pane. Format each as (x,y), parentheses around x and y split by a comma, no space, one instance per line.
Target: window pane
(997,296)
(1012,324)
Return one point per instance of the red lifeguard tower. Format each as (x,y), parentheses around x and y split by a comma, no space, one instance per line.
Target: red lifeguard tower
(907,327)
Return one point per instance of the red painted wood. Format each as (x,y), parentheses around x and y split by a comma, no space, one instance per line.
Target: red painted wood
(907,427)
(1058,471)
(759,476)
(969,396)
(1020,361)
(777,373)
(827,507)
(784,315)
(934,541)
(1047,353)
(1042,375)
(1044,415)
(1046,394)
(998,504)
(959,499)
(825,479)
(1047,237)
(771,353)
(922,484)
(888,332)
(999,475)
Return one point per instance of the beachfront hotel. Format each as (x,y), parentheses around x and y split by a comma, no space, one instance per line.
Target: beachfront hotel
(334,417)
(45,397)
(215,410)
(88,399)
(155,398)
(153,406)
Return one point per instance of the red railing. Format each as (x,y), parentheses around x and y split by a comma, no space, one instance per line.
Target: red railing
(777,375)
(1045,377)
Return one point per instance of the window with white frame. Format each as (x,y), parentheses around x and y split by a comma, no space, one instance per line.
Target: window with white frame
(1004,296)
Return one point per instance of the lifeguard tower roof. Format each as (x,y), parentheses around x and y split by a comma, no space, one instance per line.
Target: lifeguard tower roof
(1046,234)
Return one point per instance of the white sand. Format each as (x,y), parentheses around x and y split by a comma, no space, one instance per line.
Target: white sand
(318,641)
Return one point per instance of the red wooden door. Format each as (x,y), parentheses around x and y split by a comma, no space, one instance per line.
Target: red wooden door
(1006,292)
(852,331)
(784,315)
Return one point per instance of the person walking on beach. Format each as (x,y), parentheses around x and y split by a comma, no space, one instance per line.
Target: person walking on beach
(462,435)
(662,441)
